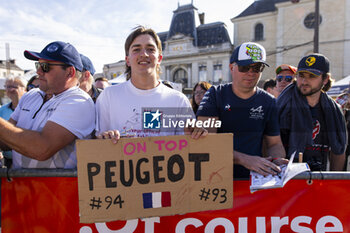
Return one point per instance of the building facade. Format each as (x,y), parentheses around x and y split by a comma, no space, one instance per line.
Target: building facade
(286,30)
(192,50)
(9,69)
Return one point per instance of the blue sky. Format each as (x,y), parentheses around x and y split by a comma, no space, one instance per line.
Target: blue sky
(97,28)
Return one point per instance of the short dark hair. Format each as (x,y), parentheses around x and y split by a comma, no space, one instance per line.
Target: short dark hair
(140,30)
(101,79)
(270,83)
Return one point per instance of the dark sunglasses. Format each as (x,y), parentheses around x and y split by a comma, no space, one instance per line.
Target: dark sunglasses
(287,78)
(255,68)
(10,86)
(45,66)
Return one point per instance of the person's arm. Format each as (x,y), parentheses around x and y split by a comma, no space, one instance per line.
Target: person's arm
(34,144)
(3,146)
(263,166)
(337,162)
(275,149)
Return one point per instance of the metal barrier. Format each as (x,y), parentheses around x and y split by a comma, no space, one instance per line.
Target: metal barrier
(4,172)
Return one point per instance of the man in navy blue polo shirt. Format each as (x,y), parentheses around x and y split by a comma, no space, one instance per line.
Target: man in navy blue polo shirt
(248,112)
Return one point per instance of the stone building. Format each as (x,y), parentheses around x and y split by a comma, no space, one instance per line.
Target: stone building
(7,69)
(192,50)
(286,30)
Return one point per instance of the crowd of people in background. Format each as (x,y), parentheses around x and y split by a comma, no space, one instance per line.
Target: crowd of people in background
(63,102)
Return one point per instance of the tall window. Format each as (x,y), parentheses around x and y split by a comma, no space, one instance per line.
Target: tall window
(218,77)
(202,73)
(180,76)
(259,32)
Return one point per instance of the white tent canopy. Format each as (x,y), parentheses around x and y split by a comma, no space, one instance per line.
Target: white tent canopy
(341,82)
(339,86)
(117,80)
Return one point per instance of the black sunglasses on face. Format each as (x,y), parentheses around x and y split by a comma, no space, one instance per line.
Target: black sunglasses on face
(255,68)
(45,66)
(287,78)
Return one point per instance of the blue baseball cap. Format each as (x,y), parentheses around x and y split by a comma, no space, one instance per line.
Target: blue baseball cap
(248,53)
(315,63)
(58,51)
(87,64)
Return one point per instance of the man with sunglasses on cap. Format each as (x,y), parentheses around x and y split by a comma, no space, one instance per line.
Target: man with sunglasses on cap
(311,122)
(43,128)
(248,112)
(285,75)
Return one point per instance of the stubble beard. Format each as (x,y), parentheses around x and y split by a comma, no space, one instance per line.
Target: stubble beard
(311,92)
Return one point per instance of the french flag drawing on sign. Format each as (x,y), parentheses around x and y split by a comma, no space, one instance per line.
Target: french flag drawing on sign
(156,200)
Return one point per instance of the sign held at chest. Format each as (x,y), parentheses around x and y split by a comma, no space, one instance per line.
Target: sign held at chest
(154,176)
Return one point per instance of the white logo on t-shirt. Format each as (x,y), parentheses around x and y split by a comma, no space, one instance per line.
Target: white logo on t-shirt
(256,113)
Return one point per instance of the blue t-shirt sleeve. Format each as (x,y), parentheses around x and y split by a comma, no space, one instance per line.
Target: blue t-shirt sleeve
(208,105)
(272,125)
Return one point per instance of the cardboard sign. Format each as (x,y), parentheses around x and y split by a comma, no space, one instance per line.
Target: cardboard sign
(154,176)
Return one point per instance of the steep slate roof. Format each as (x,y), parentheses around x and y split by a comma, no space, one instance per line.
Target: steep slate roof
(259,7)
(184,22)
(213,33)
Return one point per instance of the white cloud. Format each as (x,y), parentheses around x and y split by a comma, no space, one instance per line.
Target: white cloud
(97,28)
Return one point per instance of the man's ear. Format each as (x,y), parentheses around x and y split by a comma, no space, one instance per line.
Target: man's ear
(71,72)
(325,81)
(160,58)
(127,60)
(86,74)
(231,67)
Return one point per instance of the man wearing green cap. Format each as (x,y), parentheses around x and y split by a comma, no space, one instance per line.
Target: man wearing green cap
(248,112)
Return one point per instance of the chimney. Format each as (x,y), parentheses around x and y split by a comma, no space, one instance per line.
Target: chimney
(201,18)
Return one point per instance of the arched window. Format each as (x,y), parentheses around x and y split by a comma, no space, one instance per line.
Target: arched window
(180,76)
(259,32)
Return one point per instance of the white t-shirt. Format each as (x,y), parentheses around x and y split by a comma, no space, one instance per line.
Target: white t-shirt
(72,109)
(122,107)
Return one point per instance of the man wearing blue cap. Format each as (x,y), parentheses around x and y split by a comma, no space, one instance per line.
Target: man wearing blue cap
(43,128)
(248,112)
(86,80)
(311,122)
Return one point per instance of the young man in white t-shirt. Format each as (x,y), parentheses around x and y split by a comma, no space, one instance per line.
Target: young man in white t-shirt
(121,109)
